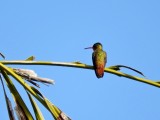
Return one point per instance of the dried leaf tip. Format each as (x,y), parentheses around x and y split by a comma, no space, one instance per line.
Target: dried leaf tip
(31,58)
(2,55)
(31,75)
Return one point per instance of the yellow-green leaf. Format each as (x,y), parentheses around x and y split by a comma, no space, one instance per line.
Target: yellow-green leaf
(8,103)
(36,109)
(17,98)
(52,108)
(58,114)
(31,58)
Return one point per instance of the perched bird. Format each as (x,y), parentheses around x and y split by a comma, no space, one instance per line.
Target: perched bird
(99,59)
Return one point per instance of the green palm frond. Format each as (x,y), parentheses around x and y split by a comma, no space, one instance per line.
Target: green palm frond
(84,66)
(23,74)
(36,109)
(56,113)
(8,102)
(21,107)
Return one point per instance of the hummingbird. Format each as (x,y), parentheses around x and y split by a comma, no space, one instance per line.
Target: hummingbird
(99,59)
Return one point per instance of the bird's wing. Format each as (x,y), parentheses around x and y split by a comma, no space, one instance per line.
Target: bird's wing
(105,57)
(93,59)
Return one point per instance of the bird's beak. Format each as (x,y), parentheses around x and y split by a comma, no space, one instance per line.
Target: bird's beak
(89,48)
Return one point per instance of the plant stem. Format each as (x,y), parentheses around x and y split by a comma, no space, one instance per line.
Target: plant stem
(81,65)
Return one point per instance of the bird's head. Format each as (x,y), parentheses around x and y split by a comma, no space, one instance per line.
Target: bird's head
(95,46)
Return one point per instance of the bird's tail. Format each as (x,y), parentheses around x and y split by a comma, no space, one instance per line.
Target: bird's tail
(99,72)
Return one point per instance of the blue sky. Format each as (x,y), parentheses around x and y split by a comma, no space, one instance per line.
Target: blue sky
(60,30)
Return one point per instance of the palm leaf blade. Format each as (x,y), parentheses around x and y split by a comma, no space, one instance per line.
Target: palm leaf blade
(8,103)
(36,109)
(21,106)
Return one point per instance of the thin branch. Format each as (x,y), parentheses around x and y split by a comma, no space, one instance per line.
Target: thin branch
(84,66)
